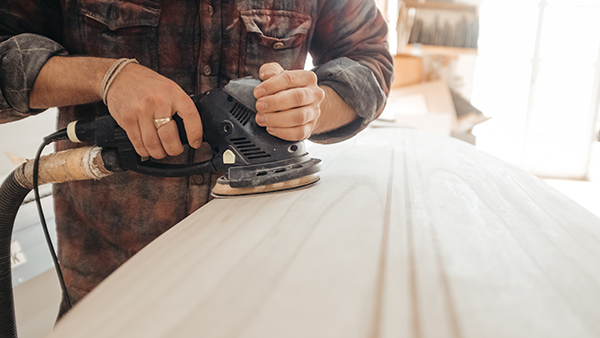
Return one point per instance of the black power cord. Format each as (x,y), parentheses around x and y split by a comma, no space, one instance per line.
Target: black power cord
(59,135)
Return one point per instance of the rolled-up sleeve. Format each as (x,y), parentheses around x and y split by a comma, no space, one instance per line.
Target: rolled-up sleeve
(30,34)
(21,59)
(351,56)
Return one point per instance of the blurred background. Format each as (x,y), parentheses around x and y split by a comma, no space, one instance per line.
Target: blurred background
(528,68)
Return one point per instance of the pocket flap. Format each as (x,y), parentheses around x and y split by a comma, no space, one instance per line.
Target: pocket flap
(117,14)
(281,26)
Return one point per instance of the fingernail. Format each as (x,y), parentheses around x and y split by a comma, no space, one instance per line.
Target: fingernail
(260,119)
(196,144)
(261,106)
(259,92)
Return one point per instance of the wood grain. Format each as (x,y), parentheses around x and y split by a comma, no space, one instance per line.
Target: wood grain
(407,234)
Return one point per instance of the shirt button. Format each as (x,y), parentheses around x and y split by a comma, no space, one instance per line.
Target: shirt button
(197,179)
(278,45)
(210,10)
(206,70)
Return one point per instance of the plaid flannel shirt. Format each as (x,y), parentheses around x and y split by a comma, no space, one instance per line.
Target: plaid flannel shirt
(201,45)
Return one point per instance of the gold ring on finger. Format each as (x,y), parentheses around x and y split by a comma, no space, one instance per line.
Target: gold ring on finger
(161,122)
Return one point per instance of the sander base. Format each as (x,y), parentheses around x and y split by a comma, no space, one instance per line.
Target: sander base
(223,190)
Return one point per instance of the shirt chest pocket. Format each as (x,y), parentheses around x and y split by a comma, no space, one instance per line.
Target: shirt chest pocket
(274,36)
(117,28)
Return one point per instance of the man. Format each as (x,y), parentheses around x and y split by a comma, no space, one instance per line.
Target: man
(65,53)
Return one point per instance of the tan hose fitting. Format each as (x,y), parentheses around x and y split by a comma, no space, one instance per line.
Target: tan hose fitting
(68,165)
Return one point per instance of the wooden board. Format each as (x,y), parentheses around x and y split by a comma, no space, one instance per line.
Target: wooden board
(407,234)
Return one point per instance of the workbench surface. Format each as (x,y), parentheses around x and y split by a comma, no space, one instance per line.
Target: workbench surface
(407,234)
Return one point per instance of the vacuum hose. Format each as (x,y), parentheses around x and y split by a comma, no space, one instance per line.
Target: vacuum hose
(12,195)
(69,165)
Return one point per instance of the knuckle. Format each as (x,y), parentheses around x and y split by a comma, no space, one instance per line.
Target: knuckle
(129,120)
(316,114)
(300,96)
(312,76)
(128,123)
(288,78)
(153,144)
(174,91)
(298,134)
(139,147)
(167,138)
(148,101)
(306,130)
(137,143)
(302,117)
(320,94)
(170,141)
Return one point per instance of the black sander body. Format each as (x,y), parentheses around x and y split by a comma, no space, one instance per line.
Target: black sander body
(254,160)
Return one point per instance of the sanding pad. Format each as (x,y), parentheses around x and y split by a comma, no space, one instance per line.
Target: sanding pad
(223,190)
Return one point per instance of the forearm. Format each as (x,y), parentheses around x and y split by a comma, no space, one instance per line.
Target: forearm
(21,59)
(136,97)
(335,112)
(350,52)
(65,81)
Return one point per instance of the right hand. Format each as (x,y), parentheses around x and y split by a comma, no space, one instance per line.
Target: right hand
(137,97)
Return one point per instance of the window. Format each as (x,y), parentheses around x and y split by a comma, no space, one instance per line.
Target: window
(537,77)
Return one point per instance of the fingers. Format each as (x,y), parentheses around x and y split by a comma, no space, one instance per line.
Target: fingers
(288,103)
(186,109)
(150,138)
(268,70)
(143,134)
(285,80)
(292,134)
(134,134)
(292,125)
(169,139)
(289,99)
(139,96)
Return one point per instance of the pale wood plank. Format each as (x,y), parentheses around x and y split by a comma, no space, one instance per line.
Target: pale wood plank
(486,236)
(407,234)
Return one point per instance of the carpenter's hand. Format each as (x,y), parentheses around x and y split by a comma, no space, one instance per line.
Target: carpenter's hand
(288,102)
(137,97)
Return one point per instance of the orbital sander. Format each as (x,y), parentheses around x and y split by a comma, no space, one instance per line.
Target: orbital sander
(254,160)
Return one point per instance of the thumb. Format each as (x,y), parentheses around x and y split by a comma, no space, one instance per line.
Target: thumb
(268,70)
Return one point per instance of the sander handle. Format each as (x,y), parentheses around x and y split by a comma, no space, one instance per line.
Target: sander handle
(119,154)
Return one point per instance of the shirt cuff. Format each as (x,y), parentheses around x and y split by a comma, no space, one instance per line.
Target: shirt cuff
(357,86)
(21,59)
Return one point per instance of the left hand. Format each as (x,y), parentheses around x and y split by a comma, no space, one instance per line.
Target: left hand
(288,102)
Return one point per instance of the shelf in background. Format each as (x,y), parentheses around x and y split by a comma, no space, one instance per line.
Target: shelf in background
(419,49)
(441,5)
(449,28)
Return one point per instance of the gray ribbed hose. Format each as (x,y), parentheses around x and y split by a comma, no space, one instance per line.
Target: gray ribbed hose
(69,165)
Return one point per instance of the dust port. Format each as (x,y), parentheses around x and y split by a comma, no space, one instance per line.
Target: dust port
(297,166)
(280,170)
(292,148)
(261,173)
